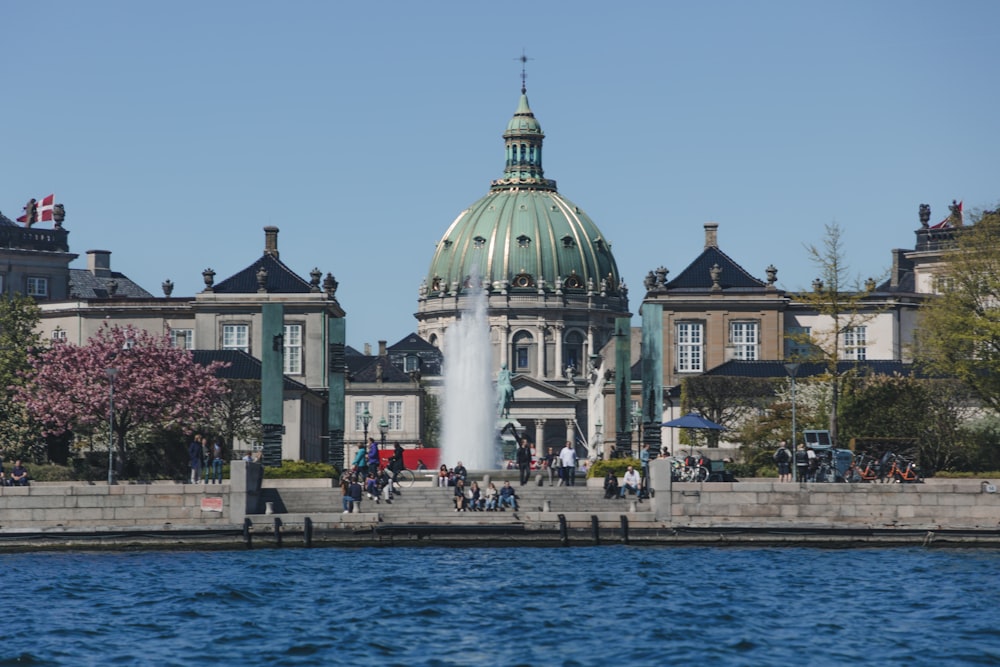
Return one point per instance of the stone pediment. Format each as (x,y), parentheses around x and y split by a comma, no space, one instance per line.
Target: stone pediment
(528,390)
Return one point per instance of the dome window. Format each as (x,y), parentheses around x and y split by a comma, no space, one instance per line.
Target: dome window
(567,241)
(447,243)
(478,242)
(573,282)
(523,280)
(523,241)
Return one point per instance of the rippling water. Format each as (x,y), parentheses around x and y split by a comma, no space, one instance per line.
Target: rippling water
(611,605)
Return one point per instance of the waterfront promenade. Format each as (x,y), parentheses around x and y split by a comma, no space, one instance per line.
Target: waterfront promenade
(248,511)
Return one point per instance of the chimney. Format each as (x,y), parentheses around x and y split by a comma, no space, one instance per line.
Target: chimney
(271,241)
(368,349)
(711,235)
(99,263)
(381,348)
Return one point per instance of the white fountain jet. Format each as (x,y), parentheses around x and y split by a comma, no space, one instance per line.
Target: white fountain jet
(469,415)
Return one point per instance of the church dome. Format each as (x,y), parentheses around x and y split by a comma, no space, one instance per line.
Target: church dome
(524,235)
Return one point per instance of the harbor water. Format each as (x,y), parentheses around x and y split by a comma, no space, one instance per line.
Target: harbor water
(518,606)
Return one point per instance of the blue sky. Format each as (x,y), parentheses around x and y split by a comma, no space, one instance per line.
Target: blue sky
(173,132)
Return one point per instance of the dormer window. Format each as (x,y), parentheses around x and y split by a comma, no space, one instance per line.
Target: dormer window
(478,242)
(567,241)
(523,280)
(523,241)
(447,243)
(573,282)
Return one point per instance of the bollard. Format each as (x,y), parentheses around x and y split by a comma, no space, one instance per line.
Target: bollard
(486,481)
(624,529)
(247,534)
(632,507)
(277,530)
(546,506)
(563,534)
(595,528)
(269,508)
(307,531)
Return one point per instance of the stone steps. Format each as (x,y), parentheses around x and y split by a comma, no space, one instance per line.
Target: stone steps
(428,504)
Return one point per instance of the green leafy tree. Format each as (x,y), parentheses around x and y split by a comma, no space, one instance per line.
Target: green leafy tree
(844,304)
(958,334)
(236,417)
(912,416)
(20,436)
(728,401)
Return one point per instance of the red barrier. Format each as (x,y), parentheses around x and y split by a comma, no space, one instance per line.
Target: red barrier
(431,457)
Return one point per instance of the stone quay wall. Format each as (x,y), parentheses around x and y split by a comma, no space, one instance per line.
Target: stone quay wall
(934,505)
(55,508)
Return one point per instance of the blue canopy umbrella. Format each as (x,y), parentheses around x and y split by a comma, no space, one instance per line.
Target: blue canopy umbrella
(693,420)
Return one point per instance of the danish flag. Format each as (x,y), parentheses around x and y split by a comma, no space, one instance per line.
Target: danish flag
(38,210)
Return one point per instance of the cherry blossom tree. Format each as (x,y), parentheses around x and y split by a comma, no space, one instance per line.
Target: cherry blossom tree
(156,385)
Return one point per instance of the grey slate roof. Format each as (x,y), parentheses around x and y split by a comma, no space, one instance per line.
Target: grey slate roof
(776,368)
(697,276)
(280,279)
(7,222)
(241,366)
(85,285)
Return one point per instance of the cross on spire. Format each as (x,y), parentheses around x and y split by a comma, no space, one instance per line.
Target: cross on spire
(524,75)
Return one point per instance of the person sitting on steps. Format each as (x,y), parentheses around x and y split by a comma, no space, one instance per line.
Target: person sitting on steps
(461,502)
(507,497)
(610,485)
(630,482)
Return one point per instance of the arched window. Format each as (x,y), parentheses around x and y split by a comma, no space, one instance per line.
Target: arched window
(521,346)
(573,351)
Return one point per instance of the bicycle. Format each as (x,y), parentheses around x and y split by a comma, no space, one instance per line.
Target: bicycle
(903,470)
(404,478)
(864,469)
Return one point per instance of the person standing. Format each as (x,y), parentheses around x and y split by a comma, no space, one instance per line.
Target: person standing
(801,462)
(194,458)
(568,459)
(217,461)
(524,461)
(783,459)
(360,462)
(373,455)
(552,463)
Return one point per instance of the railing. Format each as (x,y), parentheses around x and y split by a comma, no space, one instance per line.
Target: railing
(27,238)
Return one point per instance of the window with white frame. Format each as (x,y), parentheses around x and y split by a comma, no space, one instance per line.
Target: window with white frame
(411,362)
(236,337)
(182,339)
(359,409)
(744,337)
(293,349)
(856,343)
(690,339)
(59,334)
(38,287)
(395,418)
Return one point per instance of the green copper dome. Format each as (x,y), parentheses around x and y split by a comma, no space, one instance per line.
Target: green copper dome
(523,235)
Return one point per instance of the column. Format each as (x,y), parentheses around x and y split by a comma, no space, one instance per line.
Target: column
(540,361)
(570,432)
(558,336)
(539,435)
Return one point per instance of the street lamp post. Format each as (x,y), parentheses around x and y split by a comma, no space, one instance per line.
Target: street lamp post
(637,425)
(111,373)
(792,369)
(366,419)
(383,426)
